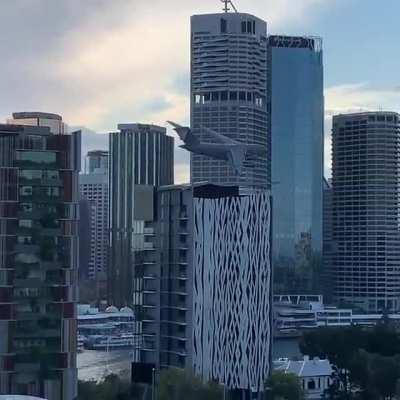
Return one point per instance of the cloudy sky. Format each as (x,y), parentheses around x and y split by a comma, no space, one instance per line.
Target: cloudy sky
(102,62)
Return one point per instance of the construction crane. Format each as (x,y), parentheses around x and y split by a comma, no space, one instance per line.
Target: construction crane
(228,3)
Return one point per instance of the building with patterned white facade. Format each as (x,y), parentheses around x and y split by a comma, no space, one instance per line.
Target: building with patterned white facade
(206,291)
(232,295)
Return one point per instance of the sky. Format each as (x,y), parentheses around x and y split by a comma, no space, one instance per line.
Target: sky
(103,62)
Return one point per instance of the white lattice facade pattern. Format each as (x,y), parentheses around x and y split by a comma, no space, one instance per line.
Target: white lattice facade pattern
(232,290)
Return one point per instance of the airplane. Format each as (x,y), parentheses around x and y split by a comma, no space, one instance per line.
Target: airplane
(230,150)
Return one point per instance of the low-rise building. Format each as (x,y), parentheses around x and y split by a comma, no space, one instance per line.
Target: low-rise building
(314,374)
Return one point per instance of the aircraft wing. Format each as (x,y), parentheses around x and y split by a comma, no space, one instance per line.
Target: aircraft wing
(236,156)
(219,137)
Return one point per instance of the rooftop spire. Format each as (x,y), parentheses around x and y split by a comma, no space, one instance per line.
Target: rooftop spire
(226,5)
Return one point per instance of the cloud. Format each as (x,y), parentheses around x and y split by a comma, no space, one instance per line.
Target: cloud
(100,62)
(355,97)
(88,60)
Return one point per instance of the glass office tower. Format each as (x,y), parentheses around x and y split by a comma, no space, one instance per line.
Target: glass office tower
(297,133)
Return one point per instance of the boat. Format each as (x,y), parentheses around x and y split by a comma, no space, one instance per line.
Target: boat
(111,329)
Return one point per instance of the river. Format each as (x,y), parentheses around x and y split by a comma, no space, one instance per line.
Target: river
(95,365)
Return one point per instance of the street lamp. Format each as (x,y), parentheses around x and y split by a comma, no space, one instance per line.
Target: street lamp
(153,384)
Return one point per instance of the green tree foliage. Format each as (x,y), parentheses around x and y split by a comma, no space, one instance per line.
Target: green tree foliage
(111,388)
(175,384)
(367,360)
(281,386)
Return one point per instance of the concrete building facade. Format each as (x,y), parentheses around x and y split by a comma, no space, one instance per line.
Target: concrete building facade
(93,187)
(229,94)
(365,203)
(139,155)
(205,300)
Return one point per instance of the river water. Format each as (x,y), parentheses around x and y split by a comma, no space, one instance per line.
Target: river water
(95,365)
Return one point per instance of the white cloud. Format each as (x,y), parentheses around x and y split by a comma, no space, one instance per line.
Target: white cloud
(119,55)
(102,62)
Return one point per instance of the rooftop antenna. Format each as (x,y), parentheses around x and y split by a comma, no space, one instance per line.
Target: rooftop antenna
(226,5)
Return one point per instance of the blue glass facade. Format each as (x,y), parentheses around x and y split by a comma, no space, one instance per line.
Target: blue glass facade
(297,136)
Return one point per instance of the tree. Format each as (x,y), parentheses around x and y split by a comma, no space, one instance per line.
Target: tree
(366,360)
(283,386)
(111,388)
(175,384)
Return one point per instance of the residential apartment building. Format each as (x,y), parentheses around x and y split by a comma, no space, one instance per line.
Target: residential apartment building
(365,204)
(93,187)
(203,282)
(39,213)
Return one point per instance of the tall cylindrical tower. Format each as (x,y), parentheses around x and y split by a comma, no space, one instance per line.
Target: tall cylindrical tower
(365,203)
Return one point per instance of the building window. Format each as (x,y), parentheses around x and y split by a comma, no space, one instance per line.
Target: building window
(311,384)
(233,96)
(25,223)
(249,27)
(223,25)
(26,191)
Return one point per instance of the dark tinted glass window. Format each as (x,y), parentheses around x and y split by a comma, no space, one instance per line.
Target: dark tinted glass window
(233,96)
(223,25)
(224,96)
(249,27)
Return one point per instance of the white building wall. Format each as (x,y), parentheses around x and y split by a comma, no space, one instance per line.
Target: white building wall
(232,290)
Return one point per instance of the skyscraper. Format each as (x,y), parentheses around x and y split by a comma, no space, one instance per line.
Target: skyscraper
(205,284)
(297,137)
(326,282)
(365,203)
(52,121)
(139,155)
(38,258)
(96,162)
(229,94)
(93,187)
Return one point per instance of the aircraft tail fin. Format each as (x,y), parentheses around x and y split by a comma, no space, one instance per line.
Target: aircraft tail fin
(184,133)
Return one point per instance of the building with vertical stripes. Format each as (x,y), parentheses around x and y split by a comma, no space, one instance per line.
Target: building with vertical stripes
(139,155)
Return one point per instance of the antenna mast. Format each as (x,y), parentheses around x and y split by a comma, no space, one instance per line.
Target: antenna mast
(226,5)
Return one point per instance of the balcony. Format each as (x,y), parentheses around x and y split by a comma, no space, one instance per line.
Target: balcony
(148,246)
